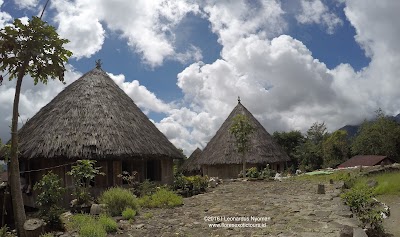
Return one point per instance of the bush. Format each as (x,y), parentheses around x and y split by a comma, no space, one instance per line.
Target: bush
(77,221)
(252,173)
(117,199)
(148,215)
(128,213)
(162,198)
(50,194)
(109,224)
(147,188)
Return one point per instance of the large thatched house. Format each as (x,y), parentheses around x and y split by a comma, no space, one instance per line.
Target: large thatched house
(191,165)
(220,158)
(93,118)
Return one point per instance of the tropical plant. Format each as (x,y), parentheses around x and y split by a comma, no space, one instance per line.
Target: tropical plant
(241,129)
(117,200)
(33,48)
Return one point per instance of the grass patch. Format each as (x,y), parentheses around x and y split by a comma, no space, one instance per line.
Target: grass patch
(128,214)
(388,183)
(117,199)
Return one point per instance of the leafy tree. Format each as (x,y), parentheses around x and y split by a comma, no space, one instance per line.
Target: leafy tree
(50,194)
(241,130)
(290,141)
(35,49)
(310,152)
(335,149)
(83,173)
(378,137)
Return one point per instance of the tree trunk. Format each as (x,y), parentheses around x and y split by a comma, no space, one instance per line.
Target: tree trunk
(244,165)
(15,182)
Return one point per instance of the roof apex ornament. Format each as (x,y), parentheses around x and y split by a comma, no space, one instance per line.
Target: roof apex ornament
(98,63)
(238,99)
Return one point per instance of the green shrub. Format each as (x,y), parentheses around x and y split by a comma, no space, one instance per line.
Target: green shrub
(78,220)
(109,224)
(5,232)
(50,195)
(162,198)
(117,199)
(252,172)
(92,230)
(128,213)
(148,215)
(147,188)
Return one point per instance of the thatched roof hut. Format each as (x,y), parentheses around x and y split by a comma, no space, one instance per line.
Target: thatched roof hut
(221,150)
(93,118)
(191,165)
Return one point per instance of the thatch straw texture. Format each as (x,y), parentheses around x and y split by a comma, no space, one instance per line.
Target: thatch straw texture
(191,164)
(221,148)
(93,119)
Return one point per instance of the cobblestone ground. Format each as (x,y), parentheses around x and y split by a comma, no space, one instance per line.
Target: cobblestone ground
(293,208)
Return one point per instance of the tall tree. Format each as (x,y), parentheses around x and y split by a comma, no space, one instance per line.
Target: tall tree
(310,152)
(335,149)
(290,141)
(378,137)
(241,129)
(36,49)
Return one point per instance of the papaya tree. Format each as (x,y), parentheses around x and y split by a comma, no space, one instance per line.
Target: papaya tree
(241,129)
(33,49)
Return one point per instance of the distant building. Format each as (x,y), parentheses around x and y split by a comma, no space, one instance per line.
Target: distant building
(366,160)
(191,165)
(221,159)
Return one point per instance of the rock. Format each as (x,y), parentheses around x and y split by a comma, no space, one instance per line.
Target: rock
(358,232)
(212,183)
(97,209)
(34,227)
(278,177)
(321,189)
(372,183)
(346,231)
(140,226)
(340,185)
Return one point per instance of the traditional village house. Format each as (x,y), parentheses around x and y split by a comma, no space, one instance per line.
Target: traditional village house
(94,119)
(221,159)
(191,165)
(366,160)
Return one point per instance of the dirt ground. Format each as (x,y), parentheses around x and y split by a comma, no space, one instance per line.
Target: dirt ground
(251,208)
(392,224)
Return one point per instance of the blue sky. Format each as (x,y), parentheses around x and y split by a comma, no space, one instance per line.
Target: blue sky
(185,62)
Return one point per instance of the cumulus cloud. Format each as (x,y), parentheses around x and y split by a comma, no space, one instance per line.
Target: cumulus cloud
(4,16)
(147,26)
(140,95)
(316,12)
(26,3)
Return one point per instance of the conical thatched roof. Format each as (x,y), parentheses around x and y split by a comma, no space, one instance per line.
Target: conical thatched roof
(93,119)
(191,164)
(221,148)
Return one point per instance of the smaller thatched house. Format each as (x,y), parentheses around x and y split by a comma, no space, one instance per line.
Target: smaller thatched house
(366,160)
(221,159)
(191,165)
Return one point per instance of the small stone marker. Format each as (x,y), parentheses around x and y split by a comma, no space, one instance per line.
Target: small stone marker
(331,181)
(321,189)
(34,227)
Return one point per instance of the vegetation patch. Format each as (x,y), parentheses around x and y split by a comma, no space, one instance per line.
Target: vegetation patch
(387,183)
(118,199)
(163,198)
(128,213)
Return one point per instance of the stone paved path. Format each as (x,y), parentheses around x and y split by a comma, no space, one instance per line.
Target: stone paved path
(293,206)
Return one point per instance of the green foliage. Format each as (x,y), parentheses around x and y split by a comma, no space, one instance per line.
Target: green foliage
(78,220)
(290,141)
(163,198)
(109,224)
(252,172)
(310,153)
(83,172)
(47,235)
(241,129)
(5,232)
(50,193)
(148,215)
(378,137)
(87,225)
(34,48)
(388,183)
(130,179)
(128,213)
(360,201)
(267,173)
(335,149)
(117,200)
(190,185)
(147,188)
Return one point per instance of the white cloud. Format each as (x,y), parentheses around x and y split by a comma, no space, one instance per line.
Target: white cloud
(147,26)
(26,3)
(4,17)
(140,95)
(315,12)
